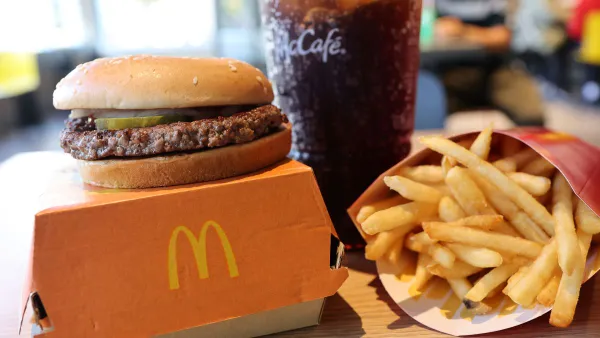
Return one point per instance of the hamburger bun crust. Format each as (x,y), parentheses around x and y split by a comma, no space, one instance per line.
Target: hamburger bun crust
(186,168)
(154,82)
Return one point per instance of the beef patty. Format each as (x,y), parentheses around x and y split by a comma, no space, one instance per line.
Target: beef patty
(85,143)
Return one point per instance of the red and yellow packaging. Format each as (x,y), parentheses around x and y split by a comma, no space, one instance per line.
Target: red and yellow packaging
(437,307)
(247,255)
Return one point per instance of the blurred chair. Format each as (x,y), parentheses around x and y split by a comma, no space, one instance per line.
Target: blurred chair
(431,107)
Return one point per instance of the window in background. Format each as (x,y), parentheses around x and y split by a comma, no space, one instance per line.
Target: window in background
(174,27)
(38,26)
(239,33)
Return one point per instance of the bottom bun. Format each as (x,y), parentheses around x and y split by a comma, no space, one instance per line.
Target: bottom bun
(185,168)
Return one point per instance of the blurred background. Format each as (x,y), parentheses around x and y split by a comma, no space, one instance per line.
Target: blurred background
(516,62)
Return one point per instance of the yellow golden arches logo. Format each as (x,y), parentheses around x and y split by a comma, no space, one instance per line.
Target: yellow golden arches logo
(199,248)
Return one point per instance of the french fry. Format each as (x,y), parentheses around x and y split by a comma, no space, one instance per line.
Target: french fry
(385,241)
(401,216)
(413,190)
(535,185)
(399,257)
(481,145)
(539,273)
(522,157)
(497,290)
(481,238)
(461,287)
(447,164)
(424,174)
(443,189)
(547,296)
(459,270)
(466,192)
(566,239)
(419,241)
(370,209)
(486,222)
(490,281)
(422,275)
(515,278)
(423,244)
(449,210)
(539,167)
(517,194)
(567,295)
(478,257)
(506,165)
(520,220)
(586,219)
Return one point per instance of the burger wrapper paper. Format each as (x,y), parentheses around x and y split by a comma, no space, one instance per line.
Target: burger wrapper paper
(436,306)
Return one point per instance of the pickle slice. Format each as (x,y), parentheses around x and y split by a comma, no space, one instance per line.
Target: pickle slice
(136,122)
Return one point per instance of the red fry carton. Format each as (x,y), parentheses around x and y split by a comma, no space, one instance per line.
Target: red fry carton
(244,256)
(437,307)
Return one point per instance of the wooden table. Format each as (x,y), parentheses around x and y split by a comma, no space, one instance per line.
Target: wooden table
(360,308)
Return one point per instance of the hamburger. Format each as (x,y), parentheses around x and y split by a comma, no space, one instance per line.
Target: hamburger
(150,121)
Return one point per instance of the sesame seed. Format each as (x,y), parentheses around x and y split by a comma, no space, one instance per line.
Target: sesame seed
(195,80)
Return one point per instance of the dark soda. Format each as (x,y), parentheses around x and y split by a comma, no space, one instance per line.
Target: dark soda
(345,73)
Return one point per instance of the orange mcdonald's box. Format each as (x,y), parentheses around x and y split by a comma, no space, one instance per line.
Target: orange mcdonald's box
(246,256)
(436,306)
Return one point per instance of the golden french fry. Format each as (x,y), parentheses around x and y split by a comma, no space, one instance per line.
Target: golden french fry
(491,281)
(413,190)
(442,255)
(385,241)
(497,290)
(424,173)
(517,194)
(520,220)
(421,243)
(478,257)
(486,222)
(401,216)
(399,258)
(482,238)
(562,210)
(466,192)
(422,275)
(447,164)
(586,219)
(523,157)
(443,189)
(567,295)
(471,199)
(459,270)
(370,209)
(449,210)
(461,287)
(481,145)
(506,165)
(515,278)
(539,273)
(535,185)
(418,242)
(539,167)
(547,296)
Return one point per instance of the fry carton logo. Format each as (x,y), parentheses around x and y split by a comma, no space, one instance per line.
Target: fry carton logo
(199,249)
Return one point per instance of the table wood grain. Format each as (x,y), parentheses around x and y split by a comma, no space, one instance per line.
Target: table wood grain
(360,308)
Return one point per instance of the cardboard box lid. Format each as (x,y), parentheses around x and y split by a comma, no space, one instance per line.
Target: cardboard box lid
(148,262)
